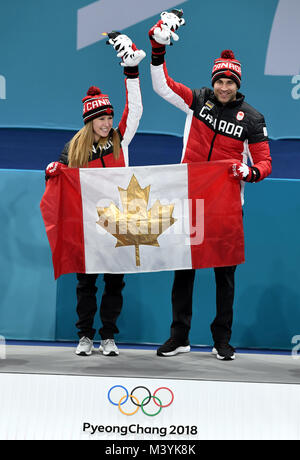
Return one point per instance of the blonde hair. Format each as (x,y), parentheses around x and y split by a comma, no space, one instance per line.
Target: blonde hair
(81,146)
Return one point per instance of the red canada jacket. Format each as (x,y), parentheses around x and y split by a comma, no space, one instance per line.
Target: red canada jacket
(214,131)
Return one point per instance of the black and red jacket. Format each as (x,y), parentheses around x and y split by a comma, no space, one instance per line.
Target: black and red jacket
(126,129)
(214,131)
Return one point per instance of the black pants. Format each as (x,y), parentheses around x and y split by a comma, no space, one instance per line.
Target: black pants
(182,301)
(110,308)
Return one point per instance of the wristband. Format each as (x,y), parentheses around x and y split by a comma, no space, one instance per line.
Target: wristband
(131,72)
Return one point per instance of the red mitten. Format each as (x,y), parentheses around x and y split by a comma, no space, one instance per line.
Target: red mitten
(241,171)
(54,168)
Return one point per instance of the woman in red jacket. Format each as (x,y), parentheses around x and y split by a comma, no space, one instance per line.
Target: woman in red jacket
(98,144)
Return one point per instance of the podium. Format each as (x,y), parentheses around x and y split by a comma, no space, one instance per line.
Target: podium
(49,393)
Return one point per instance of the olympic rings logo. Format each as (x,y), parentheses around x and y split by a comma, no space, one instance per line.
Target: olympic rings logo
(144,401)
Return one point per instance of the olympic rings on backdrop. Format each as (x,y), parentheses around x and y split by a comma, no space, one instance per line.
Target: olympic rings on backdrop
(164,388)
(154,398)
(149,395)
(118,386)
(136,402)
(128,413)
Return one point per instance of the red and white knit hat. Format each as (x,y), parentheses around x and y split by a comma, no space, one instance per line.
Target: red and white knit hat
(96,104)
(227,66)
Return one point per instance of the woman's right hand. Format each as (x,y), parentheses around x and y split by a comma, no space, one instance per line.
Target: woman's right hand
(53,169)
(132,58)
(119,41)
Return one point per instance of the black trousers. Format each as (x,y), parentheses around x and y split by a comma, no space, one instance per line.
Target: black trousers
(110,308)
(182,301)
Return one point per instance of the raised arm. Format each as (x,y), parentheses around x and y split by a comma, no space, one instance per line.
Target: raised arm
(161,35)
(132,112)
(131,57)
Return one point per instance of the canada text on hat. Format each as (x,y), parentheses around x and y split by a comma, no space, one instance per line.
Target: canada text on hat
(96,104)
(227,67)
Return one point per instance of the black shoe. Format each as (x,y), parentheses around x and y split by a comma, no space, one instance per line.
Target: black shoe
(224,351)
(173,346)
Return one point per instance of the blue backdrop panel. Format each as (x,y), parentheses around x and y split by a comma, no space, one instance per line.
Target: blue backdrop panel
(268,294)
(43,75)
(35,148)
(28,290)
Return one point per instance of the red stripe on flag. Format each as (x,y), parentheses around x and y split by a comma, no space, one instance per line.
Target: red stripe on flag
(217,237)
(61,208)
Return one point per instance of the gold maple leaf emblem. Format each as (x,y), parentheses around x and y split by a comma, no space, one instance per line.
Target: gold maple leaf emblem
(136,225)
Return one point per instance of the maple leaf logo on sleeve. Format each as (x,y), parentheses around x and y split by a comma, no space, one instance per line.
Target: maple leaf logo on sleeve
(136,225)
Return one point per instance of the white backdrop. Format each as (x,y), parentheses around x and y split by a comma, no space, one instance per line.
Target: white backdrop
(40,407)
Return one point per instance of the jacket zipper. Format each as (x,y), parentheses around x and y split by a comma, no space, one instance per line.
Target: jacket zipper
(101,158)
(215,135)
(102,161)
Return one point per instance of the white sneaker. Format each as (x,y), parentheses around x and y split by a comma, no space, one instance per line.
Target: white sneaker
(85,347)
(108,347)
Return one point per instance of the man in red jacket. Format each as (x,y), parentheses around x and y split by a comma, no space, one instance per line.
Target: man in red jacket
(219,125)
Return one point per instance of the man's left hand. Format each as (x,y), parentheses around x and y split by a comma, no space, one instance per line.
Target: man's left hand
(164,30)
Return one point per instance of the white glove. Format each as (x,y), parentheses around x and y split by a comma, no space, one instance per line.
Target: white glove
(120,43)
(126,50)
(172,20)
(163,35)
(131,58)
(163,31)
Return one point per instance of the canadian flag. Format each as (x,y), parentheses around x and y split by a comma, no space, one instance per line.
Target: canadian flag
(143,219)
